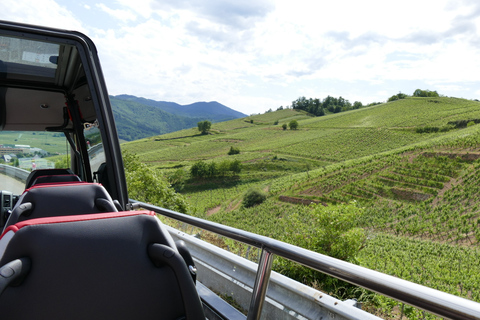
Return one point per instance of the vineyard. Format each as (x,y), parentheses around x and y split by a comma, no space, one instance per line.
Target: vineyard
(418,192)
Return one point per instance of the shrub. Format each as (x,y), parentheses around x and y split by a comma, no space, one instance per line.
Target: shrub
(253,197)
(144,184)
(235,166)
(293,125)
(284,126)
(233,150)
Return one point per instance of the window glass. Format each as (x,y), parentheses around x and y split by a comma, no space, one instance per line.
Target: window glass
(24,151)
(29,57)
(94,145)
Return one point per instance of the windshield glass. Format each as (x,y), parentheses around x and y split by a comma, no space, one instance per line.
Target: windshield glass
(24,151)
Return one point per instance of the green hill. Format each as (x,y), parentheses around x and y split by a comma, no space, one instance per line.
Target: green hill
(137,118)
(412,164)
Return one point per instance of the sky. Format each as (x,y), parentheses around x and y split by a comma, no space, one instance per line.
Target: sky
(256,55)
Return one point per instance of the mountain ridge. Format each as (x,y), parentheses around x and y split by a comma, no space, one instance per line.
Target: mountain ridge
(138,117)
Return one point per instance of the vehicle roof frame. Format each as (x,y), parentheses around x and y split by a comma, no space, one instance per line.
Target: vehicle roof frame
(99,95)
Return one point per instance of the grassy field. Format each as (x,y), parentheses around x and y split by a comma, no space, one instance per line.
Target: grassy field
(419,191)
(51,142)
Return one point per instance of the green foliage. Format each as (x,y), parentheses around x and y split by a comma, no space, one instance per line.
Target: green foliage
(425,93)
(145,184)
(233,150)
(253,197)
(204,126)
(397,97)
(62,162)
(284,126)
(330,230)
(178,179)
(318,107)
(293,125)
(202,169)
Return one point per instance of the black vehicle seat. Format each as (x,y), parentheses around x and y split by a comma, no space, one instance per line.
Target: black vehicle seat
(120,265)
(56,178)
(67,198)
(45,172)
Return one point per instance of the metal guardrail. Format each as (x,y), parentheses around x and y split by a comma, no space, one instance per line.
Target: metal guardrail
(14,172)
(225,272)
(440,303)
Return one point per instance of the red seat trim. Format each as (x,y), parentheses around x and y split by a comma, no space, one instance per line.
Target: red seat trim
(75,218)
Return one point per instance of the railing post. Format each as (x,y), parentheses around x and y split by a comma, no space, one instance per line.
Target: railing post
(261,284)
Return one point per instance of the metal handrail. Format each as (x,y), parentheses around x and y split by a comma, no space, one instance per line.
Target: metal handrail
(440,303)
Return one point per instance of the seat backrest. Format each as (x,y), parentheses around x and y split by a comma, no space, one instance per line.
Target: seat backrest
(50,200)
(45,172)
(56,178)
(121,265)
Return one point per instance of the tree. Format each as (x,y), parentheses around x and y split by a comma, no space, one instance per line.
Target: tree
(204,126)
(284,126)
(357,105)
(293,125)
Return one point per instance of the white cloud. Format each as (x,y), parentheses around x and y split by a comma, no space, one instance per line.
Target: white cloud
(120,14)
(251,55)
(40,12)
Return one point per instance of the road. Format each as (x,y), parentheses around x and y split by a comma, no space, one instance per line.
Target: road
(11,184)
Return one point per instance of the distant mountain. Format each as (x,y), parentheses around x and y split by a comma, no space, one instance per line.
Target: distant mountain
(138,118)
(212,111)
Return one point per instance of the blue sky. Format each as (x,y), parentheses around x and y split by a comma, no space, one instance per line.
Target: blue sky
(253,55)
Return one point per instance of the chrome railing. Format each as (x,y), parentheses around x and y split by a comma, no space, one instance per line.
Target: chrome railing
(440,303)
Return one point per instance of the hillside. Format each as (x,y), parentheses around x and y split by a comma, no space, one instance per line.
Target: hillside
(414,174)
(138,118)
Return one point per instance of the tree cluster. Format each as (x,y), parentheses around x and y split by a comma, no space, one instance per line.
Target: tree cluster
(397,97)
(330,104)
(425,93)
(202,169)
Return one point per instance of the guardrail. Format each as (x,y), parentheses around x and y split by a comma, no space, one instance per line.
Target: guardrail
(287,299)
(440,303)
(14,172)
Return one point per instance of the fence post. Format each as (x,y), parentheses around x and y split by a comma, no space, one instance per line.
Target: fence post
(261,285)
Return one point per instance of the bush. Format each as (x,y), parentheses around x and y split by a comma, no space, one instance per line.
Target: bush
(253,197)
(293,125)
(233,150)
(284,126)
(427,129)
(328,230)
(144,184)
(177,179)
